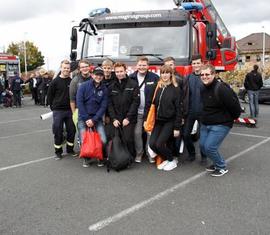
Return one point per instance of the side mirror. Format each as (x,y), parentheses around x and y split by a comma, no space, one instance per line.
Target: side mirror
(74,40)
(211,40)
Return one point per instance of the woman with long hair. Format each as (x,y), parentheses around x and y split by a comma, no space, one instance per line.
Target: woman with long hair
(168,117)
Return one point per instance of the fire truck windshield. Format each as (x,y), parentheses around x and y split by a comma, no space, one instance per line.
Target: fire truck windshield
(125,43)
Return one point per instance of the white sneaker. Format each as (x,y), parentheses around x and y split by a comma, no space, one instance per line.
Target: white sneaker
(170,166)
(162,165)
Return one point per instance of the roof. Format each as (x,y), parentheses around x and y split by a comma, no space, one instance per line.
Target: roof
(254,43)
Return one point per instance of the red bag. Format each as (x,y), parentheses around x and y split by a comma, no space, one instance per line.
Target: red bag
(91,145)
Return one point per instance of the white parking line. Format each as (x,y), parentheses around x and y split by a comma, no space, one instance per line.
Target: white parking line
(26,133)
(248,135)
(20,120)
(112,219)
(25,163)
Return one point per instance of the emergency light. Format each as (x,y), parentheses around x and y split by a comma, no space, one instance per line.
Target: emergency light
(99,11)
(192,6)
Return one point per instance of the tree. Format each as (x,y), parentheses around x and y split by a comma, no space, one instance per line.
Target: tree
(34,58)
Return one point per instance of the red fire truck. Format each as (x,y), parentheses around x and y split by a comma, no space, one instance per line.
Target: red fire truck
(193,27)
(8,65)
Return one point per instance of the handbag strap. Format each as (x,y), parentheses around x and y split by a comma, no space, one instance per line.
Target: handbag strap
(119,132)
(157,87)
(142,83)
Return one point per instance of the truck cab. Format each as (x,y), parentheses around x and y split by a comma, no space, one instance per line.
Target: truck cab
(157,34)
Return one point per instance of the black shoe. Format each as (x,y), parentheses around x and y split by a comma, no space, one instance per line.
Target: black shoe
(203,161)
(86,162)
(100,163)
(219,172)
(72,153)
(211,168)
(190,158)
(58,156)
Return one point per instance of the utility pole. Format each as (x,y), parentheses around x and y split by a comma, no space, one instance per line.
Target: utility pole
(263,49)
(25,62)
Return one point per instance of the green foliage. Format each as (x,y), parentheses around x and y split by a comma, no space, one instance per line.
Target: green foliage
(34,58)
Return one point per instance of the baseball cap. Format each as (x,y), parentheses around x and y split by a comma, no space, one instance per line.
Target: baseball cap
(98,71)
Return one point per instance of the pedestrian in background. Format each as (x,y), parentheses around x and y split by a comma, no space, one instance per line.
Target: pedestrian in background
(253,83)
(58,99)
(16,88)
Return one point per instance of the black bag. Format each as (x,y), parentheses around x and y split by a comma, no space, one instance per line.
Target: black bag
(236,112)
(119,157)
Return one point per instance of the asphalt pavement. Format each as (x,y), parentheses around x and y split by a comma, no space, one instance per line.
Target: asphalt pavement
(39,195)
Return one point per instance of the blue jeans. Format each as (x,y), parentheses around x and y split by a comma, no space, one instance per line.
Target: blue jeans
(211,138)
(253,97)
(99,127)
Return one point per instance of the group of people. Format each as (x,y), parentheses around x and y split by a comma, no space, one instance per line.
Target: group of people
(38,84)
(108,98)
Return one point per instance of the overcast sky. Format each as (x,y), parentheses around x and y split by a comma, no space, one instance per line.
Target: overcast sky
(48,23)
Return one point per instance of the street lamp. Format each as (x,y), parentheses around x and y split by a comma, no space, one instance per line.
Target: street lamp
(25,62)
(263,55)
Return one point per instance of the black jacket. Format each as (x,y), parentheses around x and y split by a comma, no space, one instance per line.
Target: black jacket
(58,94)
(216,110)
(253,81)
(124,100)
(151,80)
(168,105)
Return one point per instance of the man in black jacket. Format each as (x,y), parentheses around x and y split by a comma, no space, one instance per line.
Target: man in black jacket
(253,83)
(217,119)
(58,99)
(124,100)
(146,80)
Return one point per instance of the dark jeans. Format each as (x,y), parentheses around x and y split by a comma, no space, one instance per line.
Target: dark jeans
(17,98)
(159,139)
(35,95)
(61,117)
(188,125)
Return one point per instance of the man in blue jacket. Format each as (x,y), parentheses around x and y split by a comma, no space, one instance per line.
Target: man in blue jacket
(194,107)
(16,88)
(92,100)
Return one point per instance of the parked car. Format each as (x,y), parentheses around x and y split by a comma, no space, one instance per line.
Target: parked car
(264,92)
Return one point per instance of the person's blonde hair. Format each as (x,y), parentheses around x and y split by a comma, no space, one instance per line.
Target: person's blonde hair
(167,69)
(107,62)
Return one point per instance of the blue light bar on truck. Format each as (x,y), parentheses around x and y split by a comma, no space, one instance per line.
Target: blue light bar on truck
(99,11)
(192,6)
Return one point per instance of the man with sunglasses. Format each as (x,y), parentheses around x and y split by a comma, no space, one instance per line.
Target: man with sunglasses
(219,106)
